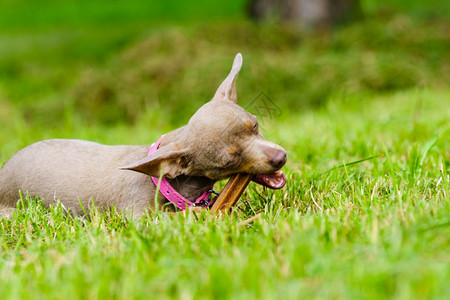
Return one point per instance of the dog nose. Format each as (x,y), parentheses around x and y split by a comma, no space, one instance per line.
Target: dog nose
(278,159)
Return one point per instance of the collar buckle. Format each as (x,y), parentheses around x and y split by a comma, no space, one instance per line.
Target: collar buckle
(202,203)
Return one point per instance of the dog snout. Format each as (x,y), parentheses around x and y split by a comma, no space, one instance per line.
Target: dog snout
(277,158)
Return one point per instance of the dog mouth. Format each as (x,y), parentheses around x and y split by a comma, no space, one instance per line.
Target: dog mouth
(275,180)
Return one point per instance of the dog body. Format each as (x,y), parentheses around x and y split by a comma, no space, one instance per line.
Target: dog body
(76,171)
(220,139)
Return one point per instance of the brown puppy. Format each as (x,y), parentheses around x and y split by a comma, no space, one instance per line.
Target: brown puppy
(220,139)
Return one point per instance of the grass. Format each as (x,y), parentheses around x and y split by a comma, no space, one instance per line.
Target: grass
(362,112)
(377,229)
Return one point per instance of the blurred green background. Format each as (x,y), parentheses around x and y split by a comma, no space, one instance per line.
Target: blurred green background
(90,69)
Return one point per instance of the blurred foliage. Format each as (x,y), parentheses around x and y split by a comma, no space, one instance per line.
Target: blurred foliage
(415,8)
(117,63)
(50,13)
(180,68)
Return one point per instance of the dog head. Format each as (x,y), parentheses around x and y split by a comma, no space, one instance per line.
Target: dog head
(220,139)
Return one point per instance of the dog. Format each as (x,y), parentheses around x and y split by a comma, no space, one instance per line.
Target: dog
(176,172)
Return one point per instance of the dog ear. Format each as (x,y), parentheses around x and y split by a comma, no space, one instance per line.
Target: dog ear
(167,161)
(227,90)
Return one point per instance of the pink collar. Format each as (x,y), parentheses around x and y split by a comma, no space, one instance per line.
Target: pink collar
(171,194)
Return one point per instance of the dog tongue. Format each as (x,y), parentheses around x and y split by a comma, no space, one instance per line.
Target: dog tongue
(274,180)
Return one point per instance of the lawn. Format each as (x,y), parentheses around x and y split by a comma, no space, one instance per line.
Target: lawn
(363,112)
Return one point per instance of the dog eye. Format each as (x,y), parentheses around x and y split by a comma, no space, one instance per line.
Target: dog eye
(255,127)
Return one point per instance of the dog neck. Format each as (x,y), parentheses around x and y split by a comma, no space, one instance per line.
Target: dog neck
(197,188)
(191,187)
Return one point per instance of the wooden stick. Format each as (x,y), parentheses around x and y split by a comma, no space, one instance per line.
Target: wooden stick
(231,192)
